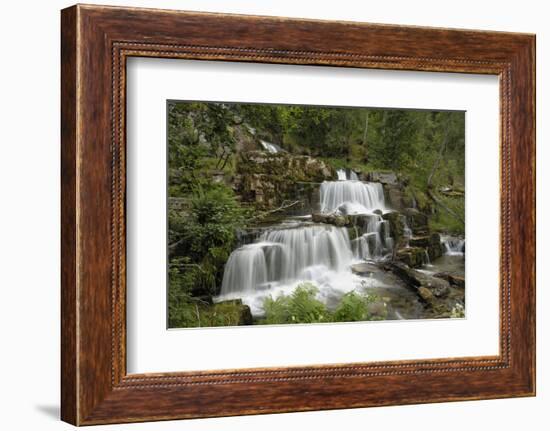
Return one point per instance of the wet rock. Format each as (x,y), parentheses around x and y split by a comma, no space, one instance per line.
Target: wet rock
(377,310)
(395,197)
(435,239)
(353,232)
(389,178)
(360,220)
(420,241)
(437,287)
(397,224)
(413,257)
(364,268)
(425,294)
(456,280)
(333,219)
(435,250)
(416,220)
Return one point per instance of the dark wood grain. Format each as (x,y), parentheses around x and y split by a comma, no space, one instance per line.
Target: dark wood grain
(96,41)
(69,366)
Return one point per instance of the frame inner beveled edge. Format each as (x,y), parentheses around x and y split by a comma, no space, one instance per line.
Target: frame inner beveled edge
(123,49)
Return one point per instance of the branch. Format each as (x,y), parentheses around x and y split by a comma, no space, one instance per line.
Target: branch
(284,206)
(172,247)
(438,201)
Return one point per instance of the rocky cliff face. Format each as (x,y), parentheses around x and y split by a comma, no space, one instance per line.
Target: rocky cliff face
(269,180)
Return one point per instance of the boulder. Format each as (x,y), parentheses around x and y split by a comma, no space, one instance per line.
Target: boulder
(413,257)
(395,197)
(456,280)
(333,219)
(235,307)
(417,221)
(377,310)
(364,268)
(438,288)
(389,178)
(425,294)
(397,224)
(360,220)
(435,250)
(420,241)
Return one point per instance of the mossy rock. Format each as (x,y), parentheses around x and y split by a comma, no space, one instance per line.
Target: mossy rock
(397,224)
(412,256)
(229,313)
(332,219)
(416,220)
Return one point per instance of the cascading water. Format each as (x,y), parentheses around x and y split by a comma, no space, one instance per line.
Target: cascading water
(269,147)
(351,197)
(283,256)
(453,246)
(407,231)
(342,175)
(376,242)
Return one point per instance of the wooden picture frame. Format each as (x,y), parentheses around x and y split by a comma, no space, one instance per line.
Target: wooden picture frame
(95,43)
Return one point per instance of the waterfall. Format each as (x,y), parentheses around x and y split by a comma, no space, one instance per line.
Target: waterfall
(269,147)
(407,231)
(277,259)
(376,242)
(351,197)
(453,246)
(286,256)
(342,175)
(245,269)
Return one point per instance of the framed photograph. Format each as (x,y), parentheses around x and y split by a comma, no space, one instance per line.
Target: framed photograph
(266,215)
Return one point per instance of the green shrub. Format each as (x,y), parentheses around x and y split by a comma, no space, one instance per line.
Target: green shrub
(300,307)
(353,307)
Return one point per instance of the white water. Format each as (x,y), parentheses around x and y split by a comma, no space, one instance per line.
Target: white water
(453,246)
(283,258)
(343,176)
(351,197)
(407,231)
(269,147)
(377,242)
